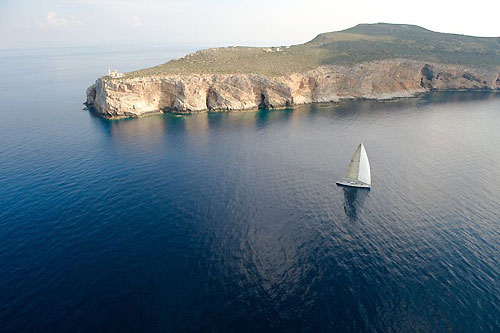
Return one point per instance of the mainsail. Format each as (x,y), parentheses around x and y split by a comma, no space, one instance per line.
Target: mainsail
(364,167)
(358,172)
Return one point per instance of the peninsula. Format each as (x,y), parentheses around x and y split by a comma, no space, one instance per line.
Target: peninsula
(368,61)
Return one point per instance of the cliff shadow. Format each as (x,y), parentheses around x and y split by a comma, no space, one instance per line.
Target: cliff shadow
(264,117)
(217,120)
(102,124)
(444,97)
(151,127)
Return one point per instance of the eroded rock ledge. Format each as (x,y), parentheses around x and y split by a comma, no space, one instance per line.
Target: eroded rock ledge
(386,79)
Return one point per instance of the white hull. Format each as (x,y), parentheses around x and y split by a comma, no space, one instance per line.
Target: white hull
(352,183)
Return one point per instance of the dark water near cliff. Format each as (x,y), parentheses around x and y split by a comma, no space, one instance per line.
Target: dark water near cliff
(232,221)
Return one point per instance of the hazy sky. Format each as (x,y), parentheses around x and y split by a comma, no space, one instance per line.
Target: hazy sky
(223,22)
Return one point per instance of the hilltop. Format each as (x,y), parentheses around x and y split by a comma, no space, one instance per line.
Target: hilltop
(362,43)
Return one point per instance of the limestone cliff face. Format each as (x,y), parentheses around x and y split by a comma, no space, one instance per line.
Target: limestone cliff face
(133,97)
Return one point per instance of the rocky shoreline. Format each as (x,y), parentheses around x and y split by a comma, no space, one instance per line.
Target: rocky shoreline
(115,98)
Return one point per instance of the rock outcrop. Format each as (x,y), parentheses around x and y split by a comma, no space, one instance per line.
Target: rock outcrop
(384,79)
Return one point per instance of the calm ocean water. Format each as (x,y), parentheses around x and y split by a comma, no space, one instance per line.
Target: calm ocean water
(232,221)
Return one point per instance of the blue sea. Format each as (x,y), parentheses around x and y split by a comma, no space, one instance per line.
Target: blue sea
(232,221)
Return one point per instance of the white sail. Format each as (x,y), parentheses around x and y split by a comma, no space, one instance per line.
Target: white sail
(358,172)
(364,167)
(353,168)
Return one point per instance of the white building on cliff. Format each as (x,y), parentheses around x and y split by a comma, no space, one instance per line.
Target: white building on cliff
(114,73)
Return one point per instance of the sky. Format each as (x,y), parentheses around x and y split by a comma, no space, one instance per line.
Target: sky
(42,23)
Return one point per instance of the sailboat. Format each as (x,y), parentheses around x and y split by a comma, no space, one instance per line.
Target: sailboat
(358,173)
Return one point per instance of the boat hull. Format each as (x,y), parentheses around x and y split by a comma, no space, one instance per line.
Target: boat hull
(353,183)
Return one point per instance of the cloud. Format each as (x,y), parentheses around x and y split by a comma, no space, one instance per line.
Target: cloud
(54,22)
(135,5)
(131,21)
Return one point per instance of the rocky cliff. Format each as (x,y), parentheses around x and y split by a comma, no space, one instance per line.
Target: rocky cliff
(379,79)
(369,61)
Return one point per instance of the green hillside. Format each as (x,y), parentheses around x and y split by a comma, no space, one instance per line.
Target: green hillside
(361,43)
